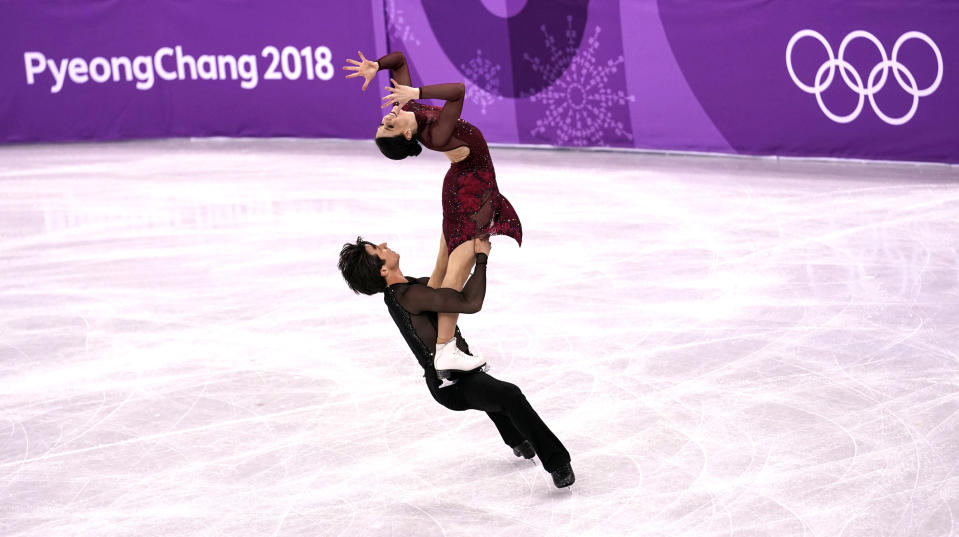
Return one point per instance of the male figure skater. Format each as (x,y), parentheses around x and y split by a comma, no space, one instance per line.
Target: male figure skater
(371,269)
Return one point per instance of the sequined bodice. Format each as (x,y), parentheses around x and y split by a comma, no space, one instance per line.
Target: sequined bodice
(464,134)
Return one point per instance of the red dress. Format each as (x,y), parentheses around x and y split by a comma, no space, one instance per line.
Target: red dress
(472,203)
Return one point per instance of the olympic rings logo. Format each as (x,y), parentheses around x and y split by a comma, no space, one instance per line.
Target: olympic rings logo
(880,71)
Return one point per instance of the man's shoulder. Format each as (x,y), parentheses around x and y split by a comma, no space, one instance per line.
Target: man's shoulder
(395,292)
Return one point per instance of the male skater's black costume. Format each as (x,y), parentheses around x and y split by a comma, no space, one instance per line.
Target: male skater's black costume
(413,307)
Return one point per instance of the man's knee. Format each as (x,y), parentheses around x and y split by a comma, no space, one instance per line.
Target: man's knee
(511,393)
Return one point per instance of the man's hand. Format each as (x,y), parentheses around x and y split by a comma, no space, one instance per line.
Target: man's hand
(364,68)
(481,245)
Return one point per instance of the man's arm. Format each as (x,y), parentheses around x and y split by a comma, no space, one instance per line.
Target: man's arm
(421,298)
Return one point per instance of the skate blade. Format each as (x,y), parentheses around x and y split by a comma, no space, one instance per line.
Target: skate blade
(454,373)
(450,377)
(447,383)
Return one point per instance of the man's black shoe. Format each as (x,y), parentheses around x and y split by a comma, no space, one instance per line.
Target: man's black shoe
(563,476)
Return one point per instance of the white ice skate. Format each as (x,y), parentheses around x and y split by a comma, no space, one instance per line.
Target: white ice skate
(450,362)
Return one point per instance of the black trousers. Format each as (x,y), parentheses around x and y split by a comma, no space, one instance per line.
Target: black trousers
(511,413)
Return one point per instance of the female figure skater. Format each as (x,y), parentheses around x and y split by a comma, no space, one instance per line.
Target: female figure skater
(472,204)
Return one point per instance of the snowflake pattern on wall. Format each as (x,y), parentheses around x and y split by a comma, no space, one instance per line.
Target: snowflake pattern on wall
(485,90)
(397,24)
(581,104)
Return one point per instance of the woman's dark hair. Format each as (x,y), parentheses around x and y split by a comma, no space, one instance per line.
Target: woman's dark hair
(360,269)
(398,147)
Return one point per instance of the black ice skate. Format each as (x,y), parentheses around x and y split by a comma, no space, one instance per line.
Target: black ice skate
(563,476)
(524,450)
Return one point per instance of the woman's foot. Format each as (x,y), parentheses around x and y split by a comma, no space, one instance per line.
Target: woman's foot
(449,358)
(450,362)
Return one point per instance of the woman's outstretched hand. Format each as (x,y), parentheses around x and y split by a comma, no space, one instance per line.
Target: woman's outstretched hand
(400,94)
(364,68)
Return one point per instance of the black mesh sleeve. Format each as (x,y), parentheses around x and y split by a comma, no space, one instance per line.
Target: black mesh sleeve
(453,94)
(421,298)
(396,62)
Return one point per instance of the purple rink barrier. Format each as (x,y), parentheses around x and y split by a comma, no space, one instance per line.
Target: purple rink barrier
(866,79)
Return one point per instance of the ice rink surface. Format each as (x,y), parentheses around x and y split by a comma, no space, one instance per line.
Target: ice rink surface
(727,346)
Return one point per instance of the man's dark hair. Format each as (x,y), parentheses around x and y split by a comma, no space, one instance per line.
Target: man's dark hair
(398,147)
(360,269)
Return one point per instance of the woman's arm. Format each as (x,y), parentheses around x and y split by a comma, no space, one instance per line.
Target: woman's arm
(396,62)
(402,92)
(453,94)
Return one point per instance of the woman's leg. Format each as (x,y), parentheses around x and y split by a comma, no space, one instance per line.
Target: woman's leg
(459,265)
(442,258)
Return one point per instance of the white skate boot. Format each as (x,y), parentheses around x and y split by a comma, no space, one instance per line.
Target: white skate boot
(450,362)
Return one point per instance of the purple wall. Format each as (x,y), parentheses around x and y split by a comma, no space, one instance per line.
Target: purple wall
(667,74)
(233,99)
